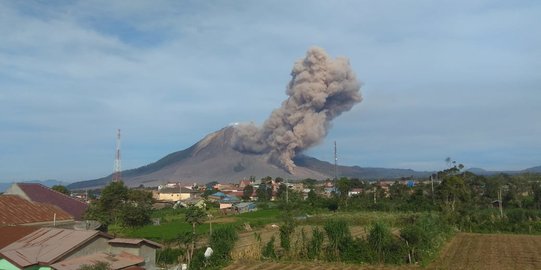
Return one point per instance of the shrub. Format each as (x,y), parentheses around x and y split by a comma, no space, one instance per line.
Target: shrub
(268,251)
(379,240)
(338,234)
(168,256)
(316,243)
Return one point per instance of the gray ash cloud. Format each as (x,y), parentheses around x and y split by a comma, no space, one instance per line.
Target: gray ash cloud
(321,88)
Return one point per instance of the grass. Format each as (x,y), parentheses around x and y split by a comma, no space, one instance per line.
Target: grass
(173,224)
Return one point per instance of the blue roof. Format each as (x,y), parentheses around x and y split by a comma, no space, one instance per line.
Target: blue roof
(219,194)
(230,198)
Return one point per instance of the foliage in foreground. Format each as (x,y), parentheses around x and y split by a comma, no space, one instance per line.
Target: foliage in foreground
(222,242)
(417,242)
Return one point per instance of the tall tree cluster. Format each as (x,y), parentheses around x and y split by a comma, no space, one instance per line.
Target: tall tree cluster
(121,206)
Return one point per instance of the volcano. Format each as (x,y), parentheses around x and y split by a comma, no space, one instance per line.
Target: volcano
(214,158)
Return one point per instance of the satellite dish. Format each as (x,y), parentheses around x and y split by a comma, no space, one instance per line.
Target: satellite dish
(86,225)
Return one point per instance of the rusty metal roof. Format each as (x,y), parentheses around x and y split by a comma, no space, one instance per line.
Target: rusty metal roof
(134,241)
(10,234)
(46,245)
(40,193)
(115,261)
(15,210)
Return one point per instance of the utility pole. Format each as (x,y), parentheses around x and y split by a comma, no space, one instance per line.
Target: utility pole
(287,191)
(117,170)
(335,163)
(432,182)
(500,202)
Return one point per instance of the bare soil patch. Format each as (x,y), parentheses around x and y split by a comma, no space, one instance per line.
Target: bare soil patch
(491,252)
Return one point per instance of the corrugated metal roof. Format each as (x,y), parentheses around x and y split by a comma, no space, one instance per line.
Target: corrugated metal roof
(10,234)
(40,193)
(46,245)
(15,210)
(118,261)
(134,241)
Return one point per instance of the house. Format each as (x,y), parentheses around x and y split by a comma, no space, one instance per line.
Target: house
(244,207)
(198,202)
(64,249)
(226,187)
(216,196)
(355,191)
(15,210)
(41,194)
(176,194)
(244,183)
(139,247)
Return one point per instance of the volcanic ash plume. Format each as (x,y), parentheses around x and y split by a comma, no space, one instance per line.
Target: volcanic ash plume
(320,90)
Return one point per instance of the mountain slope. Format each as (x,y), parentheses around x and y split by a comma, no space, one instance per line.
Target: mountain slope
(356,171)
(214,159)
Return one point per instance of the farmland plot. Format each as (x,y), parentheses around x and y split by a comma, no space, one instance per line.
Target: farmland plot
(491,252)
(464,251)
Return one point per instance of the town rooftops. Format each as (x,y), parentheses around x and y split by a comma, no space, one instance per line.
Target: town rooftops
(39,193)
(46,245)
(15,210)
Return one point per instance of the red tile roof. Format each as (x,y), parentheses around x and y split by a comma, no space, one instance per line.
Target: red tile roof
(10,234)
(15,210)
(40,193)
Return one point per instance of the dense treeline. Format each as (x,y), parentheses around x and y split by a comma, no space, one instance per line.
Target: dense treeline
(467,201)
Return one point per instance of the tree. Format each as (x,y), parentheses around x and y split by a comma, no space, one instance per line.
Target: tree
(281,192)
(61,189)
(312,198)
(194,216)
(107,209)
(136,210)
(344,186)
(453,190)
(120,205)
(398,192)
(261,193)
(247,192)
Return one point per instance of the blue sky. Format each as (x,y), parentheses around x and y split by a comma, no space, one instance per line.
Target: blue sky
(440,78)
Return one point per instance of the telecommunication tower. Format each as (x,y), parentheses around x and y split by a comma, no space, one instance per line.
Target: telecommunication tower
(117,169)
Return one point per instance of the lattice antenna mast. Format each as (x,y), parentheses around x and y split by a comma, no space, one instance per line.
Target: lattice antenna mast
(117,169)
